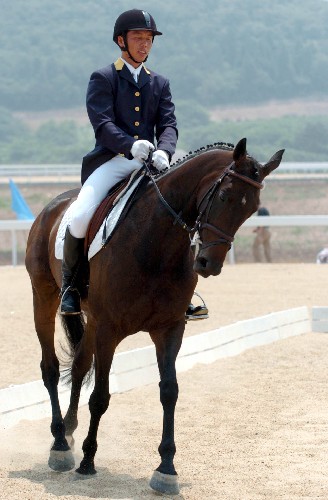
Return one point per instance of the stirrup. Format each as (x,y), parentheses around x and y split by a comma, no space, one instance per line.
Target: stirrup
(194,313)
(70,303)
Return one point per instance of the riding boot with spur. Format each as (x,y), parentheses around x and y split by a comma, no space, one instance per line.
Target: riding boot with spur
(72,256)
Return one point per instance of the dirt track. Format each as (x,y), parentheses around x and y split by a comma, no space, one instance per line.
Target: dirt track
(248,428)
(241,292)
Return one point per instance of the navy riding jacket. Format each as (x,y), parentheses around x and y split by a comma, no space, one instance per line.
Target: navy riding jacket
(122,111)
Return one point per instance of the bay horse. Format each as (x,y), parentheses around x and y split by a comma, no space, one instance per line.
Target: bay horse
(143,280)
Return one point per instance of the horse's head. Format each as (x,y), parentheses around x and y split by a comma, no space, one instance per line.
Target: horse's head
(225,202)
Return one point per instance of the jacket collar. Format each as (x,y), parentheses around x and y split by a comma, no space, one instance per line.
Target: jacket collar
(124,72)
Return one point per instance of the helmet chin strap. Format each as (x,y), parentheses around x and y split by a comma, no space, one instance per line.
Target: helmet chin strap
(126,49)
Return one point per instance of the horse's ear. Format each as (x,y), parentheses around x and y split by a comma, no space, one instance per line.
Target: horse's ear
(273,163)
(239,152)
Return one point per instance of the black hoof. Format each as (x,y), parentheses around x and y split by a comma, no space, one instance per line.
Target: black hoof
(86,469)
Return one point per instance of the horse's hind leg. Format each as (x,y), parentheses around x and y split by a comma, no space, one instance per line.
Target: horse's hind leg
(81,365)
(167,343)
(98,402)
(46,301)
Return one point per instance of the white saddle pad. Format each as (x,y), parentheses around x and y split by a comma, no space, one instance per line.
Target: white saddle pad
(110,222)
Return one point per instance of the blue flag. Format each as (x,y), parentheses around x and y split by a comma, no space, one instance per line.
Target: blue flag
(18,204)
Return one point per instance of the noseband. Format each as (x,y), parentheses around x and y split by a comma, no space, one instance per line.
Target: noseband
(206,202)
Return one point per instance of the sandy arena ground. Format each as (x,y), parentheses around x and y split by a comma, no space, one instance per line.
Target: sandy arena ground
(249,427)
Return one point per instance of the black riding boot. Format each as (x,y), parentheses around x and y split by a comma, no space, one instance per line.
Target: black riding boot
(72,256)
(197,312)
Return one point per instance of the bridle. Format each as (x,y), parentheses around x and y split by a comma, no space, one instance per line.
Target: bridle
(207,200)
(205,205)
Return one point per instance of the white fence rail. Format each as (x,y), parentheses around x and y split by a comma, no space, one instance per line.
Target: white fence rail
(60,171)
(138,367)
(287,220)
(14,226)
(41,170)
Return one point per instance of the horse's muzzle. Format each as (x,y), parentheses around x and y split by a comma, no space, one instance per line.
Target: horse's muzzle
(205,267)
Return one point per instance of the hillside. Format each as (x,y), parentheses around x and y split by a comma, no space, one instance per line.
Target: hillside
(217,53)
(253,69)
(272,109)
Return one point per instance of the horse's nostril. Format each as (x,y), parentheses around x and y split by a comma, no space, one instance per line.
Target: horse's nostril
(202,261)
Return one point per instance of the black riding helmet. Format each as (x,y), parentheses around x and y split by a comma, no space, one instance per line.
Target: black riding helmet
(133,20)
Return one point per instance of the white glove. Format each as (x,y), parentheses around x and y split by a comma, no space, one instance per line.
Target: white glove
(140,149)
(161,160)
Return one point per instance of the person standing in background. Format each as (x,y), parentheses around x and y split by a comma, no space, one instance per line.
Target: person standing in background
(262,239)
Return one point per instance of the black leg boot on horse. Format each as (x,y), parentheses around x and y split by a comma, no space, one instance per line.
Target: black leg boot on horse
(72,257)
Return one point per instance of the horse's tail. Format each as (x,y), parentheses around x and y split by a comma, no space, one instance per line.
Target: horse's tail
(74,328)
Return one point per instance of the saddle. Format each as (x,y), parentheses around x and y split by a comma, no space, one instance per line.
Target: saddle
(108,204)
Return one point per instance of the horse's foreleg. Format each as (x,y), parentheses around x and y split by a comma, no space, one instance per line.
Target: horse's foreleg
(167,345)
(45,306)
(98,403)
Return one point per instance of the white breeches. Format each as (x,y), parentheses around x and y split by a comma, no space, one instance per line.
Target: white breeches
(95,189)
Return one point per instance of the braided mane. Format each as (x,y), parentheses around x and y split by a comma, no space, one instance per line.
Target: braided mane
(227,146)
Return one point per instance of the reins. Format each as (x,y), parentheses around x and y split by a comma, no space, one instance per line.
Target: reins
(207,201)
(177,217)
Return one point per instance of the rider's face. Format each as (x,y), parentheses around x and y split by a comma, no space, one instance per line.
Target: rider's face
(139,43)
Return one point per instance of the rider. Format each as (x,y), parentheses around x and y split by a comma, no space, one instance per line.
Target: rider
(127,106)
